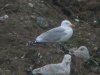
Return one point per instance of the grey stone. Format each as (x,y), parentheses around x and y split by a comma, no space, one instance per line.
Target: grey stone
(43,22)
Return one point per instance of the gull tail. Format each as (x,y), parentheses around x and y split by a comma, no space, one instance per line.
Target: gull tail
(37,71)
(32,43)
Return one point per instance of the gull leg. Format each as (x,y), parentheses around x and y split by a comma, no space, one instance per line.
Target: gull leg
(65,51)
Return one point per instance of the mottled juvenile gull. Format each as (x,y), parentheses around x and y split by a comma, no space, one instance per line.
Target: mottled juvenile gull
(62,68)
(82,52)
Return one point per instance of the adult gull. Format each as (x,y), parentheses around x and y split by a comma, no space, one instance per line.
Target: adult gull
(62,68)
(59,34)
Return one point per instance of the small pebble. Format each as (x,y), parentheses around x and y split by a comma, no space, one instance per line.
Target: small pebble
(95,48)
(38,54)
(16,57)
(40,57)
(77,20)
(3,17)
(95,21)
(30,4)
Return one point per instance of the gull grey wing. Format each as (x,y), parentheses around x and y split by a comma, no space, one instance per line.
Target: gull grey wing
(54,35)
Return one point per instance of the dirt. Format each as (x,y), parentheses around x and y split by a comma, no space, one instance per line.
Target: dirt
(20,27)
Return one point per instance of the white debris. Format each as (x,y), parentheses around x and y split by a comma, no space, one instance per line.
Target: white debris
(38,54)
(77,20)
(95,21)
(95,48)
(3,17)
(22,57)
(62,68)
(33,16)
(30,4)
(16,58)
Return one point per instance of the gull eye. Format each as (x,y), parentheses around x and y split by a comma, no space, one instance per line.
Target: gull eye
(67,23)
(69,59)
(82,49)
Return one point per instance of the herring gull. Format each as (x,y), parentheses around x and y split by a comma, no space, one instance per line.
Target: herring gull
(56,35)
(59,34)
(82,52)
(62,68)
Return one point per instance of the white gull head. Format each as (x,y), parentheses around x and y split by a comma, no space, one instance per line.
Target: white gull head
(65,23)
(67,58)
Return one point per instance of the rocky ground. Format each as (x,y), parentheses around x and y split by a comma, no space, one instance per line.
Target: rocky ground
(26,19)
